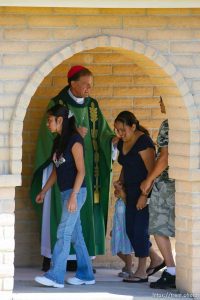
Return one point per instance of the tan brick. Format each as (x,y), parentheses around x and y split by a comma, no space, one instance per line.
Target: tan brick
(111,58)
(59,81)
(156,114)
(98,21)
(155,72)
(190,72)
(183,161)
(123,11)
(12,20)
(183,149)
(169,91)
(7,113)
(139,34)
(127,70)
(193,225)
(184,47)
(182,60)
(182,224)
(164,80)
(51,21)
(23,59)
(151,124)
(169,34)
(77,33)
(142,80)
(161,46)
(81,58)
(148,101)
(141,113)
(102,92)
(112,80)
(184,22)
(133,91)
(115,103)
(43,46)
(181,248)
(145,21)
(196,85)
(100,69)
(184,186)
(13,47)
(27,34)
(4,127)
(184,136)
(13,86)
(187,198)
(180,111)
(28,10)
(168,11)
(15,73)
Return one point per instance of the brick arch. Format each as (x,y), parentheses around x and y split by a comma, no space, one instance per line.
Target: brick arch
(123,45)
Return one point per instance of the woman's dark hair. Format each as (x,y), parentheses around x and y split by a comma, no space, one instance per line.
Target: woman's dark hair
(68,128)
(128,118)
(83,72)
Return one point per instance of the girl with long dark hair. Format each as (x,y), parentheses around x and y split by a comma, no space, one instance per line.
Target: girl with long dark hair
(69,171)
(137,157)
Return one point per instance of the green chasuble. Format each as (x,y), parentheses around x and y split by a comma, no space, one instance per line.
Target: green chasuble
(98,165)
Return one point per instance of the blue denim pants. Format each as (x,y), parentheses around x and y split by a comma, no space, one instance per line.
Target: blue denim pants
(70,231)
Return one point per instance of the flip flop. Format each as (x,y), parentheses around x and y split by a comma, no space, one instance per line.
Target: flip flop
(155,269)
(138,279)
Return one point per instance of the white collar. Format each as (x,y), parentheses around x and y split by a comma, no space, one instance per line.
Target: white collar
(77,100)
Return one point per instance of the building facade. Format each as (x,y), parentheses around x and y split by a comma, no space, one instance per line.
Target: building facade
(136,55)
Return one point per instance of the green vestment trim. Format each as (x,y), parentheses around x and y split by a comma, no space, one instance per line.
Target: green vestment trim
(93,215)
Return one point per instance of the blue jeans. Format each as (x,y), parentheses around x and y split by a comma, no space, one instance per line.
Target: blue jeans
(70,231)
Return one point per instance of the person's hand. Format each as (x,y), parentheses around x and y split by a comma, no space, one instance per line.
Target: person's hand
(40,198)
(72,203)
(115,140)
(146,186)
(82,131)
(142,202)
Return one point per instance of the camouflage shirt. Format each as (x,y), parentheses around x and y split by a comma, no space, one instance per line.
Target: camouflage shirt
(162,141)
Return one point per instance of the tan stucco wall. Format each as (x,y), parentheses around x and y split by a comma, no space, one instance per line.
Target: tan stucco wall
(154,51)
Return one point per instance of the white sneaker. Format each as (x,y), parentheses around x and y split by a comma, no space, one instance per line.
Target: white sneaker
(48,282)
(77,281)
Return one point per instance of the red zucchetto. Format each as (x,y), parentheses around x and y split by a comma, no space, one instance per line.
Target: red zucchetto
(73,70)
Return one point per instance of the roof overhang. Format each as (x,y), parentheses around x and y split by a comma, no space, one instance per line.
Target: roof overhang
(104,3)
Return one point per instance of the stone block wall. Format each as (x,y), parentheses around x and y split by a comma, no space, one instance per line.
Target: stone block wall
(155,51)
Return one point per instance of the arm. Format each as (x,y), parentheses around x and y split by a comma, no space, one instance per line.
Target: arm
(160,165)
(51,180)
(121,176)
(148,157)
(82,131)
(77,152)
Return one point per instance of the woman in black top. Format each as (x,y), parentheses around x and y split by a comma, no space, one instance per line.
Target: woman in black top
(69,171)
(137,157)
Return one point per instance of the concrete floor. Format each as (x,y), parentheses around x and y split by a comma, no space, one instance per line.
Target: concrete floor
(108,287)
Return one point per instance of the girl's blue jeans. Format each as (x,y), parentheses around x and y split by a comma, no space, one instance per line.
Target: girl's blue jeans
(70,231)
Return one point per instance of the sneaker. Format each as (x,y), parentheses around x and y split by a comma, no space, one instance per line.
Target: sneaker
(166,281)
(48,282)
(77,281)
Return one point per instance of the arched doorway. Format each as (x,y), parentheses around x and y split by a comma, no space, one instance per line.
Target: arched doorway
(155,76)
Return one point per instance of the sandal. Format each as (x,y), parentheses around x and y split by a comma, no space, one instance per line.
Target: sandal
(153,270)
(135,279)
